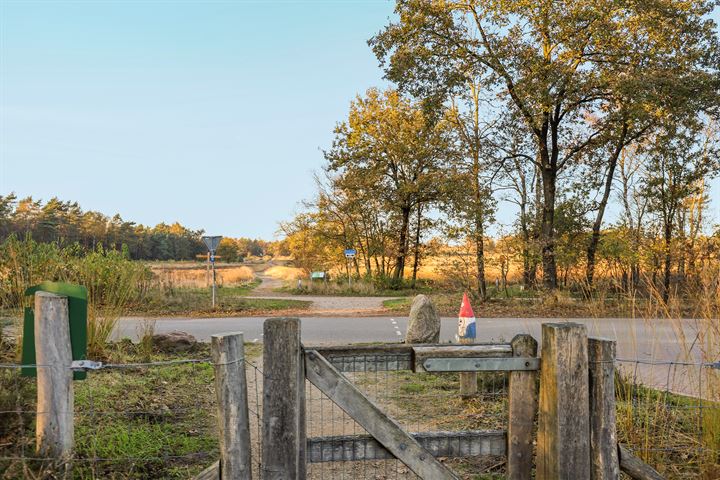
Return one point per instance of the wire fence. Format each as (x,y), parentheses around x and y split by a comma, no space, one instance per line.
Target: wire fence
(158,419)
(668,414)
(419,402)
(131,421)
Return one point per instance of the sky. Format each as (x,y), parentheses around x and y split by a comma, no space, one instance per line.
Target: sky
(213,114)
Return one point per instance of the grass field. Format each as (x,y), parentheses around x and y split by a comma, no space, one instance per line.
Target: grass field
(198,302)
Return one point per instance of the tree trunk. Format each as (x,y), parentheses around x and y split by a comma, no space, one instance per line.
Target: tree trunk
(480,259)
(416,254)
(548,229)
(595,238)
(668,261)
(403,241)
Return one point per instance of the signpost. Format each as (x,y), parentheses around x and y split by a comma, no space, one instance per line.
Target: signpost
(349,254)
(212,243)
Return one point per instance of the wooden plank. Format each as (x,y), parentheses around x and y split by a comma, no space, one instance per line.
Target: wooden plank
(351,448)
(329,351)
(522,406)
(283,432)
(563,449)
(477,350)
(210,473)
(636,468)
(603,431)
(385,430)
(228,355)
(55,397)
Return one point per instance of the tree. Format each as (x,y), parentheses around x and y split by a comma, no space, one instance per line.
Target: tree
(680,158)
(390,149)
(561,67)
(469,193)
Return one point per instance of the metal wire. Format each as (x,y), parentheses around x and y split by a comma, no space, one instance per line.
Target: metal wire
(118,420)
(418,402)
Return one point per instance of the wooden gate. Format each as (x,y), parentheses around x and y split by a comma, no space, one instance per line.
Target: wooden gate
(576,435)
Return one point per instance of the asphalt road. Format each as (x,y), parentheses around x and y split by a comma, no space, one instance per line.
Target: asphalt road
(649,351)
(656,339)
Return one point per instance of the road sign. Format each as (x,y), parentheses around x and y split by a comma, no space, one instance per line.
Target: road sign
(350,252)
(212,242)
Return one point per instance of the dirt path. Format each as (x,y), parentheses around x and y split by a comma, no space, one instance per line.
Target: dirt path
(322,306)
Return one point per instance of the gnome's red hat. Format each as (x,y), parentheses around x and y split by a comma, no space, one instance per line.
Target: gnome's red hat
(466,310)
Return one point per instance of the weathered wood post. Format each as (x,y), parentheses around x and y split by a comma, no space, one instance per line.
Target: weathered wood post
(603,434)
(53,353)
(228,355)
(563,450)
(521,412)
(284,440)
(468,380)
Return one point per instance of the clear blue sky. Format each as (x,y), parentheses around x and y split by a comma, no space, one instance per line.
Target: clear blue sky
(212,114)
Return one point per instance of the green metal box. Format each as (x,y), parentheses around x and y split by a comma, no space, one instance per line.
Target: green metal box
(77,308)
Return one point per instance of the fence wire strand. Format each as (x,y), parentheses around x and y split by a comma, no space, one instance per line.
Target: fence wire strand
(158,419)
(131,420)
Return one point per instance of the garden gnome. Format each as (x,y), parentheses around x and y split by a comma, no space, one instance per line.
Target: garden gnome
(466,321)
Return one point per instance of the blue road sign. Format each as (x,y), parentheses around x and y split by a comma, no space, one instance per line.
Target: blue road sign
(350,252)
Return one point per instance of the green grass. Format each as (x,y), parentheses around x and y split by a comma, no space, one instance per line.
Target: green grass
(397,304)
(145,422)
(198,302)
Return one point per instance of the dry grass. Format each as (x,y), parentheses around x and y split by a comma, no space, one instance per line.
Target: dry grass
(183,275)
(285,273)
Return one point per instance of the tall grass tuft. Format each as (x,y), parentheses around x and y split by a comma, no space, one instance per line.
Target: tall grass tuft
(112,279)
(676,427)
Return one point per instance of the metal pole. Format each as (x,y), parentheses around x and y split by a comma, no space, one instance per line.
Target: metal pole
(213,275)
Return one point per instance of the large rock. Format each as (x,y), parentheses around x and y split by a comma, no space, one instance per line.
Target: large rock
(174,342)
(424,324)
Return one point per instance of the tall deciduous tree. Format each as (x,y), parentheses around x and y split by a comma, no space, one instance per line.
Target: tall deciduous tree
(468,194)
(392,150)
(679,159)
(565,68)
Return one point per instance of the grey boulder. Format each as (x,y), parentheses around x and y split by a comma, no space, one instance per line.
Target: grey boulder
(424,323)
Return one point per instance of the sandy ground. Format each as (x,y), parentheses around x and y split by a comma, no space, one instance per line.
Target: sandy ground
(321,305)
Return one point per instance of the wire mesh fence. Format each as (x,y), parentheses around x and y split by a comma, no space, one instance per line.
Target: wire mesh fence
(131,421)
(139,420)
(668,414)
(158,419)
(419,402)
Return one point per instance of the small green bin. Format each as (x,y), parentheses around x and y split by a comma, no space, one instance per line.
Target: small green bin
(77,308)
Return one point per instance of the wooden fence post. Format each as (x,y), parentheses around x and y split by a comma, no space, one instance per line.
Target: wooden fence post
(228,355)
(563,450)
(55,402)
(284,440)
(468,380)
(521,412)
(603,434)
